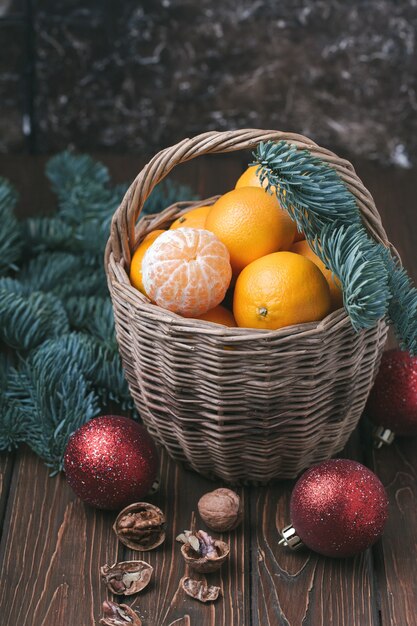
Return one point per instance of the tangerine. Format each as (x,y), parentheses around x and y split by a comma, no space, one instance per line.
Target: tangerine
(250,178)
(187,271)
(219,315)
(278,290)
(251,224)
(136,263)
(336,295)
(196,218)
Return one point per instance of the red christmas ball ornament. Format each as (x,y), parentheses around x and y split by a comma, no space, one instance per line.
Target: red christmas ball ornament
(111,462)
(338,508)
(392,403)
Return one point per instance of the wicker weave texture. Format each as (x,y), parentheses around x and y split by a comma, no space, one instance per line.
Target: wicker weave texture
(240,404)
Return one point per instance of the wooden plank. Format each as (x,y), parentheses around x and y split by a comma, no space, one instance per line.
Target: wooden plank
(53,546)
(303,588)
(51,550)
(164,603)
(395,555)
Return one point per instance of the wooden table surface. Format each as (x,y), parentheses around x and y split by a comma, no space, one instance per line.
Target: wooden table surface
(52,545)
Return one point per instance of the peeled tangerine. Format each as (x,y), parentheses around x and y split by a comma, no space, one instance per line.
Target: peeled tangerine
(187,271)
(279,290)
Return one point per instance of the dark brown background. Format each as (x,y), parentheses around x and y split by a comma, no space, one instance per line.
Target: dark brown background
(134,76)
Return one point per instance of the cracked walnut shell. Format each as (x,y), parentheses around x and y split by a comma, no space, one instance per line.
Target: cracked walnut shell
(200,591)
(140,526)
(201,552)
(119,615)
(127,577)
(221,509)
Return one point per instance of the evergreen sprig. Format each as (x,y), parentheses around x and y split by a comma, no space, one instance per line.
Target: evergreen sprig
(26,321)
(55,310)
(352,256)
(55,399)
(318,200)
(310,190)
(402,308)
(92,315)
(10,233)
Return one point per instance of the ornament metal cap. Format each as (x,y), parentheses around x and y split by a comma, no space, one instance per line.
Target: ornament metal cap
(382,436)
(290,539)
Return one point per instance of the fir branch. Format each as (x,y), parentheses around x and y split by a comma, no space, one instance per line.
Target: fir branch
(55,415)
(12,285)
(355,259)
(42,234)
(67,376)
(14,425)
(13,422)
(402,309)
(93,315)
(10,232)
(307,188)
(65,274)
(26,321)
(167,192)
(66,171)
(90,202)
(318,200)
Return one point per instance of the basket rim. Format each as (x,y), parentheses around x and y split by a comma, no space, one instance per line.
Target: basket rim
(125,230)
(335,320)
(122,233)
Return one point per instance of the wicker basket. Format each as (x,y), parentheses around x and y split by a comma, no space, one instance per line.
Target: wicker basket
(239,404)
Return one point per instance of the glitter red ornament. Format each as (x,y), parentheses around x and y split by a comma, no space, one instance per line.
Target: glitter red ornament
(111,462)
(338,508)
(392,403)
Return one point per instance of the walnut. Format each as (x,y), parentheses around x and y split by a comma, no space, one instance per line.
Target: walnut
(221,509)
(140,526)
(119,615)
(127,577)
(199,591)
(201,552)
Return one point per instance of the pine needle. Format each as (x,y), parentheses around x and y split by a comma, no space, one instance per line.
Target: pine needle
(10,232)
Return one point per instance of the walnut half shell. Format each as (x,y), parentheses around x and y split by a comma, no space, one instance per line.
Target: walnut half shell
(198,590)
(140,526)
(203,564)
(127,577)
(119,615)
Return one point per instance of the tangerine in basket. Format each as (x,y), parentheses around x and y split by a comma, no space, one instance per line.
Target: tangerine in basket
(187,271)
(250,178)
(251,224)
(136,263)
(196,218)
(219,315)
(279,290)
(336,295)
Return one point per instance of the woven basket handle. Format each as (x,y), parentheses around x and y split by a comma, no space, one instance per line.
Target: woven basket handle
(122,236)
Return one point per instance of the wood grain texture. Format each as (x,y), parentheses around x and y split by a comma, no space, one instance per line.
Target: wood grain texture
(303,588)
(395,555)
(53,546)
(164,602)
(51,550)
